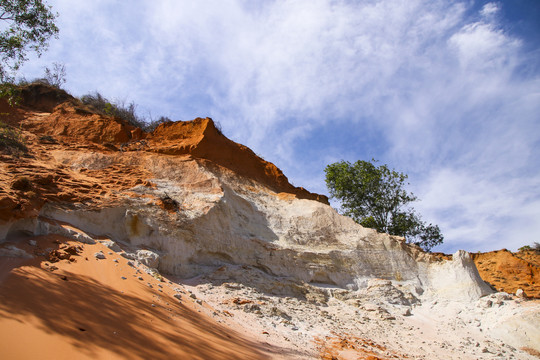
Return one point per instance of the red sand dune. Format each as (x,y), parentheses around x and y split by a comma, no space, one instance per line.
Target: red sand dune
(85,310)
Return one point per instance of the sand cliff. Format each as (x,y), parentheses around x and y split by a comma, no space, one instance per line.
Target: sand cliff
(235,240)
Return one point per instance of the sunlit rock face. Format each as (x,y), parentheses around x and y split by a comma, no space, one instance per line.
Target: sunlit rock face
(186,202)
(216,218)
(200,201)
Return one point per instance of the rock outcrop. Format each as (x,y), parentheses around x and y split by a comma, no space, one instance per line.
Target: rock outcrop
(188,202)
(510,272)
(201,139)
(225,205)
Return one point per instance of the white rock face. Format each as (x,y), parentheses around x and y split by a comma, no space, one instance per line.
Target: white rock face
(457,279)
(13,251)
(148,258)
(300,258)
(224,220)
(111,245)
(13,229)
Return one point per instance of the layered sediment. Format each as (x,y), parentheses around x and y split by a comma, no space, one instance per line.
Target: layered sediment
(190,204)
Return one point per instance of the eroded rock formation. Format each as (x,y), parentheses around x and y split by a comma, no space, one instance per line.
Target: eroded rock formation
(188,201)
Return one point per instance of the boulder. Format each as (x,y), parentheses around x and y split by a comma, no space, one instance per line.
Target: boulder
(148,258)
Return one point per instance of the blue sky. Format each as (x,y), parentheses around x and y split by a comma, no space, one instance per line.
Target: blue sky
(445,91)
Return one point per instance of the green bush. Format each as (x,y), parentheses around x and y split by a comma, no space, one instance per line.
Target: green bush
(125,112)
(10,92)
(26,26)
(375,197)
(128,113)
(55,76)
(153,124)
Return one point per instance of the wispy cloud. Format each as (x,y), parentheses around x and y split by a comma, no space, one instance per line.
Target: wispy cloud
(489,10)
(437,89)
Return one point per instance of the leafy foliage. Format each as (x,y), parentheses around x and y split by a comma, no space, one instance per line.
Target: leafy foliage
(374,196)
(27,26)
(55,77)
(535,247)
(10,92)
(151,125)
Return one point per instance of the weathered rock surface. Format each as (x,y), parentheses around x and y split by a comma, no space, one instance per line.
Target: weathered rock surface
(193,204)
(508,271)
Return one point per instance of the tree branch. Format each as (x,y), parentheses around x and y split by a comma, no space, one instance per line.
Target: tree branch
(6,18)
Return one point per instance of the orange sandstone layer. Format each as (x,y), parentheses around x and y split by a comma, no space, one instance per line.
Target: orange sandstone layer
(201,139)
(52,120)
(507,271)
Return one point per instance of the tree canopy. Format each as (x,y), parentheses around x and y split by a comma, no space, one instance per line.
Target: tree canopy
(27,25)
(374,196)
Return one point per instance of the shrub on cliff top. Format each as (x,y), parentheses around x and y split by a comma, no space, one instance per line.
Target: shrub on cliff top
(120,110)
(105,107)
(54,76)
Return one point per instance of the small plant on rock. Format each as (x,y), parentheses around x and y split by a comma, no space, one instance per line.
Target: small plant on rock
(22,184)
(125,112)
(153,124)
(47,139)
(57,75)
(169,203)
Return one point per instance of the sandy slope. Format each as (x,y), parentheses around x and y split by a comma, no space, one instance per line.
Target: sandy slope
(84,309)
(375,329)
(88,308)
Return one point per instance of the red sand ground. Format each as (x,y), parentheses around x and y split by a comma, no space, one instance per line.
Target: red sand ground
(81,308)
(354,348)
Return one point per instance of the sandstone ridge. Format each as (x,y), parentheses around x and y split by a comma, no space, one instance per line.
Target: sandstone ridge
(201,139)
(57,114)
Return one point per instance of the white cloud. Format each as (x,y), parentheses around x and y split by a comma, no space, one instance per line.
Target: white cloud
(481,214)
(482,47)
(489,9)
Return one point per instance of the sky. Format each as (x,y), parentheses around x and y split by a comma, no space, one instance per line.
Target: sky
(445,91)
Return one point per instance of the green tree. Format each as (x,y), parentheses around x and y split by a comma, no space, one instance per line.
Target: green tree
(27,25)
(374,196)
